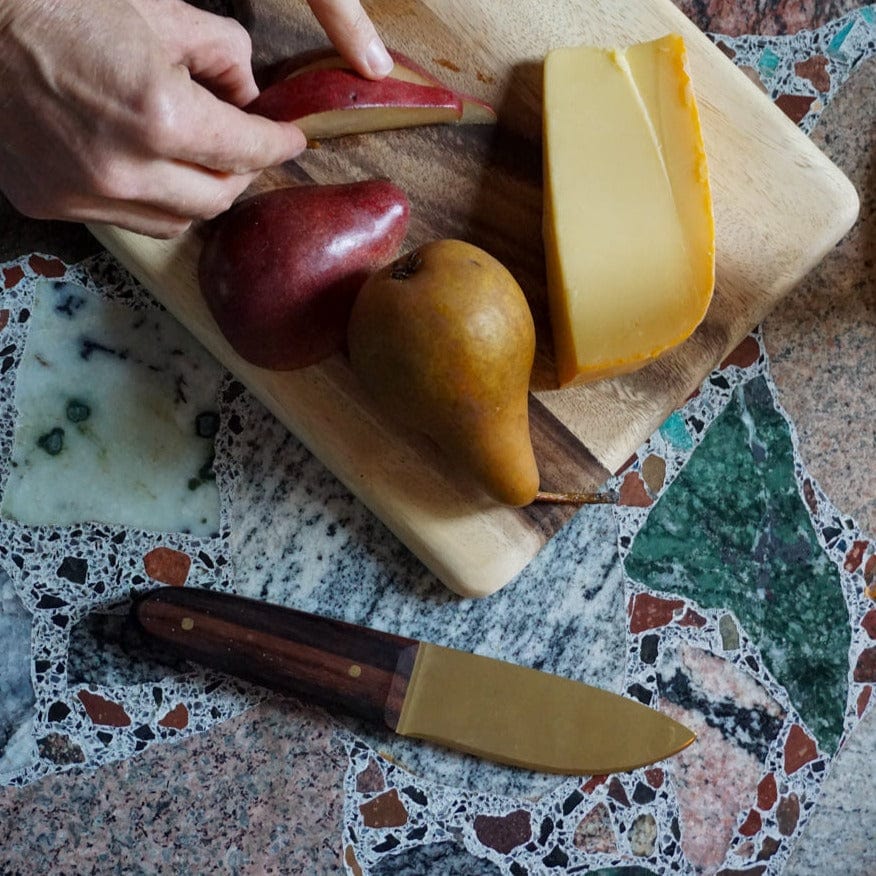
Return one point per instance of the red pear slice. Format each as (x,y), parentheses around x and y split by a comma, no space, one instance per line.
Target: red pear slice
(474,110)
(334,101)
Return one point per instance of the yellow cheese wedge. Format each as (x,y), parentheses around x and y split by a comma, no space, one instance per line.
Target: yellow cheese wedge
(628,227)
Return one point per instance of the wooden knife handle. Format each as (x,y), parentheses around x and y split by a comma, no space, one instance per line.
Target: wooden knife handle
(330,662)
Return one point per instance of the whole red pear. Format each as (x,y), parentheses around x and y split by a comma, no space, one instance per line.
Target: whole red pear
(279,271)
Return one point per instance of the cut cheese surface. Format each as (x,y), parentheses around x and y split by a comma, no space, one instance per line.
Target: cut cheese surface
(628,227)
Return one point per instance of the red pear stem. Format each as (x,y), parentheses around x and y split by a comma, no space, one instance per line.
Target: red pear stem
(609,497)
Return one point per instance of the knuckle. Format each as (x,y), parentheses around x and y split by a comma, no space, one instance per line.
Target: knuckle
(109,178)
(239,40)
(159,119)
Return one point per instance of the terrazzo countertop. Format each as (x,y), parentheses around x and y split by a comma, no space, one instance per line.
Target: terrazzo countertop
(733,586)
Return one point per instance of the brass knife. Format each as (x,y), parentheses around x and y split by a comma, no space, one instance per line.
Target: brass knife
(486,707)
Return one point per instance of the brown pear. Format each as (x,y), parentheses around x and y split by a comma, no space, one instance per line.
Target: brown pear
(443,339)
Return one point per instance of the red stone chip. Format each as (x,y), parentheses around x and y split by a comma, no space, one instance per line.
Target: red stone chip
(168,566)
(633,492)
(865,668)
(503,832)
(767,793)
(103,711)
(752,823)
(47,267)
(177,718)
(12,276)
(800,749)
(744,355)
(387,810)
(655,777)
(795,106)
(815,70)
(650,612)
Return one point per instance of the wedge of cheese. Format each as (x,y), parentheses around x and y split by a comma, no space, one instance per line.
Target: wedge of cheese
(628,228)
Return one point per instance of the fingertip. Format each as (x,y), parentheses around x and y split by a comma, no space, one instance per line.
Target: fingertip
(297,140)
(354,35)
(378,59)
(272,143)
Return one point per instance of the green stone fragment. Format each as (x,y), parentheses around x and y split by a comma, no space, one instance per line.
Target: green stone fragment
(207,424)
(52,442)
(205,472)
(77,411)
(732,532)
(729,633)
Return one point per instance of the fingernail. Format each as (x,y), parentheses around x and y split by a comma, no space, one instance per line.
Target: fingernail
(377,58)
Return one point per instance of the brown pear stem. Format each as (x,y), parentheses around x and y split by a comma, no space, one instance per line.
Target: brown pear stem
(405,267)
(610,497)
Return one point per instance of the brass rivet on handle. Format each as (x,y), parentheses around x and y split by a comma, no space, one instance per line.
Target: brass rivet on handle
(187,623)
(354,671)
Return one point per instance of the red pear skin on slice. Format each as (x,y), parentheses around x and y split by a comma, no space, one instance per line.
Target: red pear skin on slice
(474,110)
(336,101)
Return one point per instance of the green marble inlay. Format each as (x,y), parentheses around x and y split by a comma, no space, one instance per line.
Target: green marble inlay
(731,532)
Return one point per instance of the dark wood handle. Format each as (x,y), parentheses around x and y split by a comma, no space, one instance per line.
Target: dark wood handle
(335,664)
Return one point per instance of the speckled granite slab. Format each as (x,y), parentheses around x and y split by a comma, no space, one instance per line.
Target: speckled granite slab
(729,588)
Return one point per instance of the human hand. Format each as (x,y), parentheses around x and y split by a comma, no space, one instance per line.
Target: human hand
(129,111)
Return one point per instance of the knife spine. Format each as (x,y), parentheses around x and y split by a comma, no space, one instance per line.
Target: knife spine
(327,661)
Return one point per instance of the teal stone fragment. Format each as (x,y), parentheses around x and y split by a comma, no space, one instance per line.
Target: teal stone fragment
(675,432)
(768,62)
(868,13)
(731,532)
(835,46)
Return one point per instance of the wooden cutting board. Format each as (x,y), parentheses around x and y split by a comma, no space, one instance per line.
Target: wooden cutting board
(780,205)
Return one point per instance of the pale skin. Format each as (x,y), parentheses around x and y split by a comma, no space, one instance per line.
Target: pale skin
(130,111)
